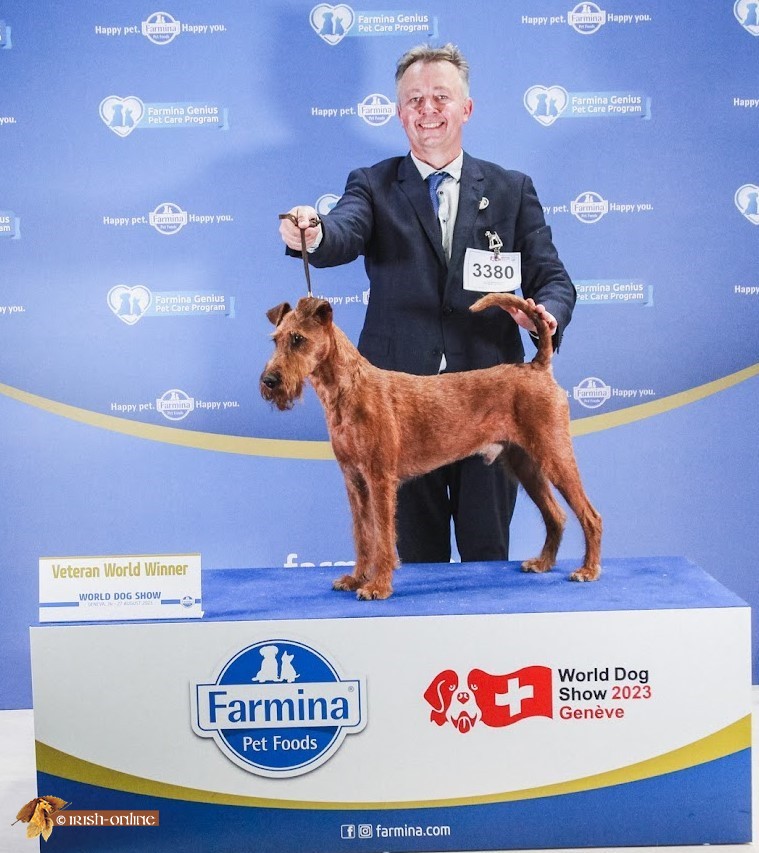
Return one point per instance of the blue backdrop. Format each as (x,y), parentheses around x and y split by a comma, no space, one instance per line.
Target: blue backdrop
(144,157)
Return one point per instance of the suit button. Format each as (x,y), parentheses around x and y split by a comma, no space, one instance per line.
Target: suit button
(447,310)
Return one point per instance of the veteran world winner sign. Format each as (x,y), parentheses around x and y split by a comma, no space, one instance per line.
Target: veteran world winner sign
(144,586)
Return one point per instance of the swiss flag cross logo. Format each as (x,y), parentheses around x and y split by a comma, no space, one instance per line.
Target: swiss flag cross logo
(494,700)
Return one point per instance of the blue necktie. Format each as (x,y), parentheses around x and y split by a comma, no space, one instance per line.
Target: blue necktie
(433,185)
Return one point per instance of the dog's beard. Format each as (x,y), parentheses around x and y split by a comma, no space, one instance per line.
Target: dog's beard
(281,397)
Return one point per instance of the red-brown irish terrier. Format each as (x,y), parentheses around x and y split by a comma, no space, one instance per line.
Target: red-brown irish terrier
(387,427)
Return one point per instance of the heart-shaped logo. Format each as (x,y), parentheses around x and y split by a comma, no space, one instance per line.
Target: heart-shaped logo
(747,15)
(747,201)
(129,303)
(121,115)
(332,23)
(546,103)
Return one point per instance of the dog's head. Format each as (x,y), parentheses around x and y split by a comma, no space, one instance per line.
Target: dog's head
(451,704)
(301,339)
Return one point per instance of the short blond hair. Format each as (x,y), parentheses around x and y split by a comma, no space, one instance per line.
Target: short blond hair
(426,53)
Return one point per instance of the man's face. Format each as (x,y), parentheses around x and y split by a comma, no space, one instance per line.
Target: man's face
(433,110)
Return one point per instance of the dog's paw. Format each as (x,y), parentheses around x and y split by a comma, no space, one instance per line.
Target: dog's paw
(347,583)
(373,590)
(586,573)
(536,565)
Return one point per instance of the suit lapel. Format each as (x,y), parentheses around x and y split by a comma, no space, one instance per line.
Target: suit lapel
(470,195)
(415,190)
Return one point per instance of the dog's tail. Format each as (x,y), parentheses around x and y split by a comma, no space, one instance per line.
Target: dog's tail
(509,302)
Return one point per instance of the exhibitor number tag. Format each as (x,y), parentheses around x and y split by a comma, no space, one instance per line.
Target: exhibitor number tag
(492,272)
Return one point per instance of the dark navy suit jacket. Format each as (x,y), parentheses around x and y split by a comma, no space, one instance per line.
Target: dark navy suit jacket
(418,308)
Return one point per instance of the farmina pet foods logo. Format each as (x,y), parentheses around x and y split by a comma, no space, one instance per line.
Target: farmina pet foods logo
(168,219)
(123,115)
(278,708)
(586,19)
(593,392)
(546,104)
(590,207)
(160,28)
(376,109)
(175,404)
(333,23)
(747,14)
(747,202)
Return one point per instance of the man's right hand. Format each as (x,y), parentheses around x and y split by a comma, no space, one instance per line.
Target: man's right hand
(290,232)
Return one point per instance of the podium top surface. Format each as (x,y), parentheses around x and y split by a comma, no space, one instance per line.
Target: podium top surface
(454,589)
(448,589)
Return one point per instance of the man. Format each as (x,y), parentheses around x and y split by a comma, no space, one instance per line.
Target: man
(417,320)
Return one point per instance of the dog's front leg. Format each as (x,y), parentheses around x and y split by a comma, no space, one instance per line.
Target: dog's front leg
(358,497)
(382,502)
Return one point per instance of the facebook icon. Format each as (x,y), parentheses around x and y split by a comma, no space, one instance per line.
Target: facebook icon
(348,830)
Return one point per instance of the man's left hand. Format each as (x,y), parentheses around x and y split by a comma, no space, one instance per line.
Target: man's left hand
(521,319)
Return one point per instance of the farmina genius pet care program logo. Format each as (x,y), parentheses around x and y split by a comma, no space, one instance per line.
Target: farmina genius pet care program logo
(279,708)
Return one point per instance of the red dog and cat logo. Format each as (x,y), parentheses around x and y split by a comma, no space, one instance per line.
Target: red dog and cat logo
(494,700)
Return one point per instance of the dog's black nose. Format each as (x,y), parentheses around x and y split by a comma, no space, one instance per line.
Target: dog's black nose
(270,380)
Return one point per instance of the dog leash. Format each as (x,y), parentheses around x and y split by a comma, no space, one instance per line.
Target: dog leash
(312,223)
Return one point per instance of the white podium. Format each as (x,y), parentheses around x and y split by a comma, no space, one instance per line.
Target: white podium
(479,708)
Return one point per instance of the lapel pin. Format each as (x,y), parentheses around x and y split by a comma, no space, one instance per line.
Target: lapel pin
(484,202)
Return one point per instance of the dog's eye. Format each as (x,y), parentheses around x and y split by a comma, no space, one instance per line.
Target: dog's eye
(296,340)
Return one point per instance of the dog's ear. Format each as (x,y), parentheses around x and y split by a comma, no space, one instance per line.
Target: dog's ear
(319,309)
(276,314)
(439,694)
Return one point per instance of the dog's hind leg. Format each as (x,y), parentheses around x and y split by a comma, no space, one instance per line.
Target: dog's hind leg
(563,473)
(529,474)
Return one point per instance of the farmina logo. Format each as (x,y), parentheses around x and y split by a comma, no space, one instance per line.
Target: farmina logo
(161,28)
(586,18)
(278,708)
(376,109)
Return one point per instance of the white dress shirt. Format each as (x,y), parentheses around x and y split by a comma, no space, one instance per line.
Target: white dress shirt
(449,196)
